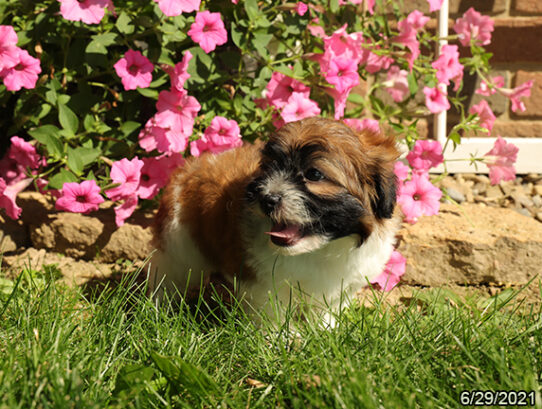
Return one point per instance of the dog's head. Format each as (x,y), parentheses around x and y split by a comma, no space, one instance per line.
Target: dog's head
(319,181)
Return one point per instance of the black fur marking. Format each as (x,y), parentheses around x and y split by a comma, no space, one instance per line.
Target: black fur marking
(386,196)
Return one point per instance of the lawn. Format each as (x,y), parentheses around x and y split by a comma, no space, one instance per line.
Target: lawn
(63,347)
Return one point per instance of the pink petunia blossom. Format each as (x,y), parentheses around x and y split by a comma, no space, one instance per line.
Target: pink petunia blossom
(524,90)
(208,31)
(448,66)
(8,194)
(435,5)
(397,83)
(500,161)
(22,75)
(173,8)
(487,90)
(9,55)
(125,209)
(127,174)
(81,197)
(417,19)
(11,171)
(343,45)
(135,70)
(177,111)
(401,171)
(179,74)
(280,88)
(154,176)
(375,62)
(87,11)
(221,135)
(395,268)
(299,107)
(475,27)
(24,153)
(301,8)
(425,155)
(408,37)
(418,197)
(339,101)
(343,73)
(436,99)
(487,118)
(358,125)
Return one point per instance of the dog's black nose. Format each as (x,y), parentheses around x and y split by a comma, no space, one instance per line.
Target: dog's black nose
(269,202)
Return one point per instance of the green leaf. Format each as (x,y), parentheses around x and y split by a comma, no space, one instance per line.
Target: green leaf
(100,42)
(260,40)
(147,92)
(133,377)
(124,23)
(252,9)
(68,120)
(48,135)
(58,180)
(356,98)
(74,162)
(129,126)
(238,36)
(412,84)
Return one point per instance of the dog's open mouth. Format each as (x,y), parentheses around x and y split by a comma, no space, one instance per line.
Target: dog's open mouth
(283,234)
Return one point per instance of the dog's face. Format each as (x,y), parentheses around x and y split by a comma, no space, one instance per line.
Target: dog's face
(319,181)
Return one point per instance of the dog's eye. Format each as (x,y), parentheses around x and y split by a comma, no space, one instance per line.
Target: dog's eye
(314,175)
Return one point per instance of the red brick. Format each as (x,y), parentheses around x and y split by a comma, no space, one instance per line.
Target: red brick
(533,104)
(458,7)
(518,129)
(527,6)
(516,40)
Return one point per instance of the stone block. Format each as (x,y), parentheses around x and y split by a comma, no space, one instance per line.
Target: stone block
(533,104)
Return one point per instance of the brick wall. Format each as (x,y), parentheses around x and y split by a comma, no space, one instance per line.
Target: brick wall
(517,55)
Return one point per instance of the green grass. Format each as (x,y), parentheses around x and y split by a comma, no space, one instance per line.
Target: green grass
(62,348)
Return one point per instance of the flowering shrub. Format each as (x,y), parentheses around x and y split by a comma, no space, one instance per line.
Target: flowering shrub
(104,98)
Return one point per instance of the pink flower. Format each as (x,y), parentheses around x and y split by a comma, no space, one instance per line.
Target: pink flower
(392,273)
(22,75)
(500,161)
(487,90)
(81,197)
(127,174)
(339,101)
(9,55)
(375,63)
(417,19)
(524,90)
(301,8)
(179,74)
(173,8)
(280,88)
(401,171)
(220,136)
(125,209)
(343,73)
(8,194)
(434,5)
(474,27)
(341,44)
(425,155)
(134,69)
(154,176)
(372,125)
(11,171)
(408,37)
(487,118)
(24,153)
(418,197)
(397,83)
(177,111)
(208,31)
(435,99)
(87,11)
(448,66)
(299,107)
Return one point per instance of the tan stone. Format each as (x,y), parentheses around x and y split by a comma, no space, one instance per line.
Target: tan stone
(471,244)
(13,235)
(529,7)
(518,129)
(130,242)
(537,190)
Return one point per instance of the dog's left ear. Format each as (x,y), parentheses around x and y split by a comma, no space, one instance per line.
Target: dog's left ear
(381,150)
(383,203)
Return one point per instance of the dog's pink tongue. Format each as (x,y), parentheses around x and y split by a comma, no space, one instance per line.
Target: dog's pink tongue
(284,235)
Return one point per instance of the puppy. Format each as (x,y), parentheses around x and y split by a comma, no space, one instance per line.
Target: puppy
(307,216)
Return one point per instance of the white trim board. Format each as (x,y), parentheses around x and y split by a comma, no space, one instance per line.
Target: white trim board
(529,155)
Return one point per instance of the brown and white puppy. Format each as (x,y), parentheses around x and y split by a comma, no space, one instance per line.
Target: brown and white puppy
(307,215)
